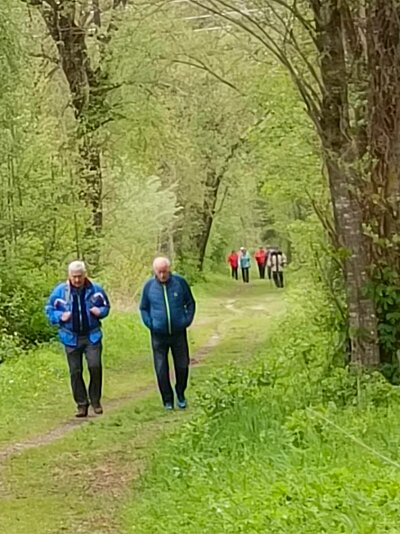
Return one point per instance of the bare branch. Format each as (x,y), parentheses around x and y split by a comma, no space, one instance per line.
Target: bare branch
(202,66)
(222,201)
(254,28)
(96,13)
(51,59)
(303,21)
(298,49)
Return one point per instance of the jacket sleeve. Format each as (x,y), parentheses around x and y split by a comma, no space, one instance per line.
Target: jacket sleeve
(54,307)
(145,307)
(189,303)
(103,300)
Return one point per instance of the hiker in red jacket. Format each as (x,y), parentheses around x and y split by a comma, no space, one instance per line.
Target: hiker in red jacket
(233,260)
(261,259)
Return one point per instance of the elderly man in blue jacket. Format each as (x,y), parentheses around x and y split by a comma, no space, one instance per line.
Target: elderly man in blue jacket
(77,307)
(167,308)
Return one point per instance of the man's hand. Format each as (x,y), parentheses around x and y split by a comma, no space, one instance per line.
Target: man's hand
(65,316)
(95,311)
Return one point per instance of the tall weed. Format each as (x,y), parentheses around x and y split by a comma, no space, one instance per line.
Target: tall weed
(297,443)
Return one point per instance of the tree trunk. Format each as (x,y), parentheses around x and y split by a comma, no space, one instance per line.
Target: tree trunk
(61,19)
(340,154)
(383,40)
(349,226)
(205,216)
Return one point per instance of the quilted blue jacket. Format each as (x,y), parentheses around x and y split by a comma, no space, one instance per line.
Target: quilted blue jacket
(60,301)
(167,308)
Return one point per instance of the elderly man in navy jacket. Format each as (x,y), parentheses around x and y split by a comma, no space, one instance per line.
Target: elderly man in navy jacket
(77,307)
(167,308)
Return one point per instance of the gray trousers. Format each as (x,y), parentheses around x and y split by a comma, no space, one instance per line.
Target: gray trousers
(93,359)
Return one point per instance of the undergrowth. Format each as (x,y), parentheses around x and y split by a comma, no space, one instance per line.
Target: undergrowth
(297,443)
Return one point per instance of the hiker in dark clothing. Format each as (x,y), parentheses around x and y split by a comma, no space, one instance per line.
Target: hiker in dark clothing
(167,308)
(269,251)
(77,307)
(233,260)
(277,261)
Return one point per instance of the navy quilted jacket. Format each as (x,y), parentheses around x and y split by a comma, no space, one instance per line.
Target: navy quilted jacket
(167,308)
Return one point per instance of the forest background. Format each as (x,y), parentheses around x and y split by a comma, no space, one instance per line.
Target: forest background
(156,136)
(190,128)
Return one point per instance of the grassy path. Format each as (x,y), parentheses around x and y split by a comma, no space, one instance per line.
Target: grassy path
(57,475)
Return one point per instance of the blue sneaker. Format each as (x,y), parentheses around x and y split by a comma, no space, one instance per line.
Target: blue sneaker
(182,403)
(168,406)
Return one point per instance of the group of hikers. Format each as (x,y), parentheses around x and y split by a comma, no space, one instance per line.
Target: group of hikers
(167,308)
(271,259)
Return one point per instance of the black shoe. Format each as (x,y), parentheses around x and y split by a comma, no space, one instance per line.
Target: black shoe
(97,408)
(181,401)
(82,411)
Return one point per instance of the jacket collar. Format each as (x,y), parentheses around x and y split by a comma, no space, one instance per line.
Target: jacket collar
(87,285)
(163,283)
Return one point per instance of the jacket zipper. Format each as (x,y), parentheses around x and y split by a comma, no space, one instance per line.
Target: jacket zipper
(167,309)
(80,312)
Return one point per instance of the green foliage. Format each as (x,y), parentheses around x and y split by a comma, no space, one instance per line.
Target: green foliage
(385,291)
(21,310)
(294,444)
(34,388)
(175,110)
(142,211)
(41,218)
(185,103)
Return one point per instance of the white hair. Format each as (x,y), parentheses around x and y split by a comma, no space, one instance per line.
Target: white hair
(160,261)
(77,266)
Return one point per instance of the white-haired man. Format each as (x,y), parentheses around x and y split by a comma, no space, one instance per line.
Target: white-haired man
(77,307)
(167,308)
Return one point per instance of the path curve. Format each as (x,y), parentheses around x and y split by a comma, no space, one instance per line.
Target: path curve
(61,430)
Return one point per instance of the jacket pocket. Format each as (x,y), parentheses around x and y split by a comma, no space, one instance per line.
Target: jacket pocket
(67,337)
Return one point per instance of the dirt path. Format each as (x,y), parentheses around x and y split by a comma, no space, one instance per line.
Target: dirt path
(64,428)
(72,472)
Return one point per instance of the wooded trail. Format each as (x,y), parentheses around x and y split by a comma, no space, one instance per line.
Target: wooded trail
(95,460)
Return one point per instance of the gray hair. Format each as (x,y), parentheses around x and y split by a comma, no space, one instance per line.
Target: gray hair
(77,266)
(160,261)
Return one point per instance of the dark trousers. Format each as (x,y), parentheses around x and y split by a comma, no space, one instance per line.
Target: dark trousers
(93,359)
(245,274)
(278,278)
(261,270)
(234,272)
(269,272)
(161,343)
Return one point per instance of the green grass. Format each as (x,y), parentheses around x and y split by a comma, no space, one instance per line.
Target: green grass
(77,483)
(295,446)
(71,485)
(249,472)
(34,389)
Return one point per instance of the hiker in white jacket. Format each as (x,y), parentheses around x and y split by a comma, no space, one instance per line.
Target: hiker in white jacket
(277,261)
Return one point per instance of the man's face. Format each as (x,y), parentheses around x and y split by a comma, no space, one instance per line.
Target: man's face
(77,278)
(162,272)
